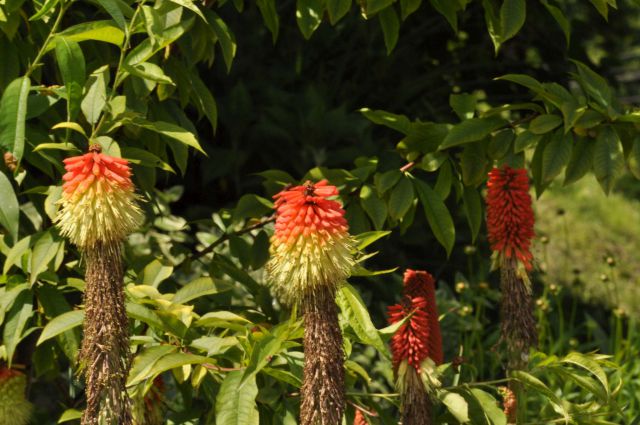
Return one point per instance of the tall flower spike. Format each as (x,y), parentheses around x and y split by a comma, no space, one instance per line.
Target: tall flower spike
(509,214)
(98,199)
(14,407)
(419,338)
(311,246)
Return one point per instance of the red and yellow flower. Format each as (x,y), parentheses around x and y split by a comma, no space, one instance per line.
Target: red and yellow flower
(311,246)
(510,215)
(419,338)
(99,203)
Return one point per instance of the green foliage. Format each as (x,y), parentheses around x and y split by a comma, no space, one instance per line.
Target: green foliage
(164,85)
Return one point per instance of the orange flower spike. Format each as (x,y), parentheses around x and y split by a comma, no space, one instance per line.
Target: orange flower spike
(311,245)
(510,217)
(98,201)
(419,338)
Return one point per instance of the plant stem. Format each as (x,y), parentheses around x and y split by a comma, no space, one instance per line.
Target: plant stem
(43,49)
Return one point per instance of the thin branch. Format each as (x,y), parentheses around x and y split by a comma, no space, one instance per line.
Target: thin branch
(226,236)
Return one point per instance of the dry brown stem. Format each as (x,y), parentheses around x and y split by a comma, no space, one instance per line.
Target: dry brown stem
(416,405)
(323,393)
(105,354)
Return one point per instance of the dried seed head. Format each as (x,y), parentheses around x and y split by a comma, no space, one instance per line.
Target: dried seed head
(311,246)
(14,407)
(98,200)
(509,214)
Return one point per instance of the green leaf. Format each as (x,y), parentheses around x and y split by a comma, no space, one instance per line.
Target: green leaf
(500,144)
(445,180)
(608,161)
(471,130)
(236,406)
(594,85)
(437,214)
(473,210)
(155,272)
(226,39)
(70,415)
(396,122)
(474,164)
(309,16)
(144,362)
(96,30)
(407,7)
(602,6)
(525,140)
(149,47)
(560,18)
(148,71)
(16,320)
(139,312)
(390,27)
(448,9)
(581,160)
(16,252)
(252,206)
(386,180)
(374,6)
(270,16)
(590,365)
(60,324)
(46,8)
(537,385)
(512,16)
(401,199)
(524,80)
(72,68)
(456,405)
(634,158)
(13,114)
(489,406)
(188,4)
(96,96)
(375,207)
(167,362)
(145,158)
(262,354)
(9,209)
(169,130)
(199,288)
(337,9)
(357,315)
(464,105)
(544,123)
(44,250)
(363,240)
(556,155)
(112,8)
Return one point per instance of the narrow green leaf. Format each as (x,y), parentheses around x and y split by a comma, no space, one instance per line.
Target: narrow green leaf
(188,4)
(9,209)
(337,9)
(512,16)
(112,8)
(464,105)
(60,324)
(96,95)
(490,406)
(363,240)
(46,8)
(44,250)
(471,130)
(581,160)
(560,18)
(401,199)
(390,27)
(270,16)
(456,405)
(235,406)
(13,114)
(357,315)
(70,415)
(590,365)
(474,164)
(448,9)
(374,6)
(16,320)
(375,207)
(544,123)
(96,30)
(226,39)
(608,160)
(394,121)
(473,210)
(437,214)
(169,130)
(556,155)
(309,16)
(594,84)
(144,362)
(145,158)
(72,67)
(199,288)
(525,140)
(262,353)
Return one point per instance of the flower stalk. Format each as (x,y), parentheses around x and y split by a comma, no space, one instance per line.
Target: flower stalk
(416,347)
(310,258)
(98,210)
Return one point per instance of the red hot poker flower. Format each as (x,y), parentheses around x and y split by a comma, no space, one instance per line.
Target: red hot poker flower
(311,245)
(98,199)
(420,336)
(509,214)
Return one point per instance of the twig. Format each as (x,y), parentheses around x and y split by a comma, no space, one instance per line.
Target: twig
(226,236)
